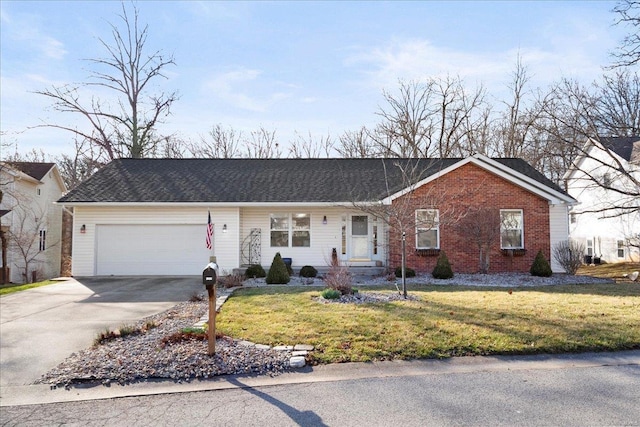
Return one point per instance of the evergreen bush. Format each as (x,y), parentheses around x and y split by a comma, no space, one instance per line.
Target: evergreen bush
(278,274)
(540,266)
(408,272)
(442,270)
(308,271)
(331,294)
(255,271)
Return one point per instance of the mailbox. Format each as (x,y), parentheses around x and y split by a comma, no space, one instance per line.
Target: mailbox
(210,274)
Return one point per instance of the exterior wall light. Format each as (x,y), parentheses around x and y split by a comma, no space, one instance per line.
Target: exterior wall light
(324,220)
(83,229)
(224,228)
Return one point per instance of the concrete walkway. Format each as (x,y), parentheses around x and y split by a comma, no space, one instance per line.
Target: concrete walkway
(41,327)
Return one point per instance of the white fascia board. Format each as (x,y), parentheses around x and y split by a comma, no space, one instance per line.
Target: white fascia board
(502,171)
(523,181)
(204,204)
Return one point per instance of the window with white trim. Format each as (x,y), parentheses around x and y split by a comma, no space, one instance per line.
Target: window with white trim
(43,240)
(511,229)
(290,230)
(620,248)
(427,229)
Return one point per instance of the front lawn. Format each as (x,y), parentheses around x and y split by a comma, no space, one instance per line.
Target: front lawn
(442,321)
(11,288)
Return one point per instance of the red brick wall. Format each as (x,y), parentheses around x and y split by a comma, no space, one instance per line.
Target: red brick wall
(454,194)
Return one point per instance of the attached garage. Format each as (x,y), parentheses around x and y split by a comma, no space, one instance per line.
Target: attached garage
(150,249)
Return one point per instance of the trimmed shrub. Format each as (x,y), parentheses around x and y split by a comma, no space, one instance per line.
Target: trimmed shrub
(443,269)
(540,266)
(255,271)
(331,294)
(278,274)
(408,272)
(308,271)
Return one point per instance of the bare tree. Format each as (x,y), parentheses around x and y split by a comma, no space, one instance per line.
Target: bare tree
(80,165)
(435,118)
(127,127)
(222,143)
(262,144)
(628,52)
(27,235)
(399,214)
(309,148)
(357,144)
(482,226)
(575,116)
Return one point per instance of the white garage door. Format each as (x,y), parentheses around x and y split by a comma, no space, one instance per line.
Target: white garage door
(150,250)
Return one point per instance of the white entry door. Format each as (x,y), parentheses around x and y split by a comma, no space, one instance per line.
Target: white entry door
(360,241)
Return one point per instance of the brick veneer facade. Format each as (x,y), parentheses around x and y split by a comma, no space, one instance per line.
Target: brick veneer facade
(453,194)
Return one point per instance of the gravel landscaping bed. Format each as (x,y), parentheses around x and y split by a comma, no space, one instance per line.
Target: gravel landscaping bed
(144,355)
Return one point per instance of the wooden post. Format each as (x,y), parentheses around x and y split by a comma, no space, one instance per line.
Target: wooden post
(211,330)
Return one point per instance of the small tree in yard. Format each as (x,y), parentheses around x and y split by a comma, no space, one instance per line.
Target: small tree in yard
(568,254)
(540,266)
(278,274)
(482,226)
(442,270)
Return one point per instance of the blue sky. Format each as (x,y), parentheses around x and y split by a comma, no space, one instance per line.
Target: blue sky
(307,67)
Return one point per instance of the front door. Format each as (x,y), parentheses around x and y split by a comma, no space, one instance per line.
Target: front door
(360,242)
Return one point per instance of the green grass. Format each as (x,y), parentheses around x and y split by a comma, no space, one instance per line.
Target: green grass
(9,289)
(444,321)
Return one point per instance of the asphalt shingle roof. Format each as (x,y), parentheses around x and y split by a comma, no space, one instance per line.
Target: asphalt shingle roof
(35,170)
(622,146)
(260,180)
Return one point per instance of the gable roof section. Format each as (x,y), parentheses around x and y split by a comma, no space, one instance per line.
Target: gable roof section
(622,146)
(254,181)
(35,170)
(517,171)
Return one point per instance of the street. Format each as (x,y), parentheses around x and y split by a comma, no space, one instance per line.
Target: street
(528,392)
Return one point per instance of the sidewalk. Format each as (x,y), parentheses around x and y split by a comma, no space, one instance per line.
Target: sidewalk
(40,394)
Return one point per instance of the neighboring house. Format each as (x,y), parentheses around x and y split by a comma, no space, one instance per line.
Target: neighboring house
(31,220)
(608,232)
(149,216)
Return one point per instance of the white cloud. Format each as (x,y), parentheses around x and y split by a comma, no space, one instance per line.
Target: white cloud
(240,89)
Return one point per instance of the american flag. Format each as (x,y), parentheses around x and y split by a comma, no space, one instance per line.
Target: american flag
(209,231)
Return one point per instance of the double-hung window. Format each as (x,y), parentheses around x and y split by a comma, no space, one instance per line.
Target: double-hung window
(620,248)
(511,229)
(42,245)
(290,230)
(427,229)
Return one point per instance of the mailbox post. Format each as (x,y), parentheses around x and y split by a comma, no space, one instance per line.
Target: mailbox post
(209,279)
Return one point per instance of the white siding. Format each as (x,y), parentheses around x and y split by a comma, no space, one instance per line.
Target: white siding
(225,245)
(30,213)
(604,229)
(558,231)
(324,237)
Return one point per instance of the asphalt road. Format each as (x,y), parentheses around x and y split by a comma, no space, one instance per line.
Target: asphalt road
(530,391)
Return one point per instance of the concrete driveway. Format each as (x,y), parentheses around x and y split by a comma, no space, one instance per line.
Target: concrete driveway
(40,327)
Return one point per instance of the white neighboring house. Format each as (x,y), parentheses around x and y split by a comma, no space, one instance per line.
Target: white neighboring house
(606,221)
(31,221)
